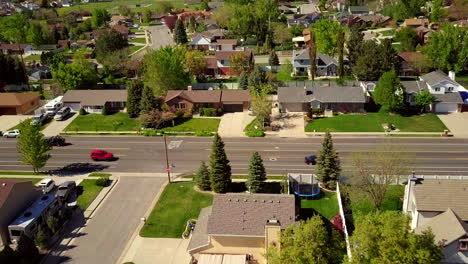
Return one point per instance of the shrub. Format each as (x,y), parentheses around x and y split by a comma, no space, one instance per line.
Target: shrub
(255,133)
(220,111)
(179,114)
(102,181)
(82,111)
(150,133)
(209,112)
(317,111)
(104,111)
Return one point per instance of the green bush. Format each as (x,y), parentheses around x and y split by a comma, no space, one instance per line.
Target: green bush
(220,111)
(208,111)
(255,133)
(179,114)
(203,133)
(104,111)
(100,174)
(150,133)
(102,181)
(82,111)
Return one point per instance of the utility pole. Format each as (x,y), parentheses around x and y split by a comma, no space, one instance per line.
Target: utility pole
(168,169)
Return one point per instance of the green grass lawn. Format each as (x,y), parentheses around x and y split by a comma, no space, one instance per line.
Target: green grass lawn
(34,180)
(33,57)
(43,125)
(270,177)
(133,49)
(111,6)
(361,205)
(327,205)
(196,124)
(372,122)
(99,174)
(87,192)
(138,40)
(22,173)
(98,122)
(178,203)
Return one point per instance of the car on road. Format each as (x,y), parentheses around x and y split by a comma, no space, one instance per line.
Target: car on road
(62,113)
(310,160)
(56,141)
(99,154)
(65,189)
(39,119)
(46,185)
(12,134)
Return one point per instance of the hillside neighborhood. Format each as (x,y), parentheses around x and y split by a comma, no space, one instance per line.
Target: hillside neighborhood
(233,132)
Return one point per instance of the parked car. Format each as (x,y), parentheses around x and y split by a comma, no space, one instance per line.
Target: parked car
(62,113)
(57,141)
(98,154)
(12,134)
(65,189)
(39,119)
(47,185)
(310,160)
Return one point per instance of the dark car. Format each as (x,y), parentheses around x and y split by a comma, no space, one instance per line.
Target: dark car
(310,160)
(57,141)
(98,154)
(65,189)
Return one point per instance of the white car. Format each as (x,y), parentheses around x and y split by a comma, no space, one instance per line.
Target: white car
(46,185)
(12,134)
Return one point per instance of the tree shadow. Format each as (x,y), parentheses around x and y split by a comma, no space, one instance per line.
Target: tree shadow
(78,168)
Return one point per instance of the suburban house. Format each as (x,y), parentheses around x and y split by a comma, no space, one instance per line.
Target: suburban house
(241,224)
(449,95)
(415,22)
(303,19)
(228,100)
(39,73)
(203,40)
(213,42)
(123,30)
(326,65)
(24,49)
(15,196)
(440,204)
(220,65)
(93,101)
(358,10)
(408,61)
(18,103)
(330,97)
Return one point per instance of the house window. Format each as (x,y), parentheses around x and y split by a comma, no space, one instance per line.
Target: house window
(450,89)
(180,106)
(463,244)
(437,89)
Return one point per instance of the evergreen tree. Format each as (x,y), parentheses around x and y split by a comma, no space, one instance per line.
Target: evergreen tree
(202,178)
(388,58)
(244,81)
(328,163)
(135,89)
(257,173)
(340,42)
(147,100)
(354,43)
(32,146)
(312,54)
(256,78)
(220,173)
(273,60)
(180,35)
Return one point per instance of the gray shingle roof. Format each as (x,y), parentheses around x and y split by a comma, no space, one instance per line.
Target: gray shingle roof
(247,214)
(94,97)
(199,238)
(333,94)
(438,195)
(446,226)
(414,86)
(448,98)
(436,77)
(304,55)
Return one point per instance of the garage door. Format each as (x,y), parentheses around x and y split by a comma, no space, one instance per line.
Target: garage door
(446,108)
(292,107)
(73,106)
(7,111)
(229,108)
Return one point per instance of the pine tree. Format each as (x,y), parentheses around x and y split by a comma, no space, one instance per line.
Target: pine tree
(244,81)
(340,43)
(220,173)
(147,100)
(273,60)
(312,54)
(135,89)
(180,35)
(355,40)
(42,237)
(257,173)
(202,178)
(328,163)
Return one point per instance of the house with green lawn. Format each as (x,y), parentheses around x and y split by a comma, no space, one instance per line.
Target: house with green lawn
(93,101)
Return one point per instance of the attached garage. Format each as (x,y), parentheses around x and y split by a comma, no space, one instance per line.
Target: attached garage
(73,106)
(233,107)
(235,100)
(292,107)
(446,108)
(447,103)
(18,103)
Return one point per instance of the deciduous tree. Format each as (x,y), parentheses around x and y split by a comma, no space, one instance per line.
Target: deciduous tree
(257,174)
(389,92)
(108,42)
(325,33)
(281,34)
(312,44)
(242,62)
(32,146)
(424,99)
(135,91)
(261,105)
(196,64)
(328,163)
(80,74)
(354,43)
(202,178)
(12,70)
(99,17)
(408,38)
(220,171)
(437,11)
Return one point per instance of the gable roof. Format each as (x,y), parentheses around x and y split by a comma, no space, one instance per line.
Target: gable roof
(199,238)
(438,195)
(416,22)
(410,56)
(14,47)
(414,86)
(246,214)
(198,96)
(94,97)
(448,98)
(358,9)
(304,55)
(227,41)
(6,186)
(225,55)
(17,99)
(333,94)
(436,77)
(446,226)
(235,96)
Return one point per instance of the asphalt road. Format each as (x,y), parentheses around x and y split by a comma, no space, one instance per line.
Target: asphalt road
(434,156)
(112,225)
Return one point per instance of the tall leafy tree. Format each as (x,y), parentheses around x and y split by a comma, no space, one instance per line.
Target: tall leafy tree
(99,18)
(389,92)
(32,146)
(165,70)
(77,75)
(408,38)
(374,60)
(328,163)
(257,78)
(312,44)
(220,172)
(388,56)
(353,44)
(147,100)
(196,64)
(34,34)
(108,42)
(202,178)
(281,34)
(326,31)
(385,237)
(12,70)
(14,28)
(424,99)
(309,242)
(257,174)
(180,35)
(135,91)
(340,39)
(437,11)
(242,62)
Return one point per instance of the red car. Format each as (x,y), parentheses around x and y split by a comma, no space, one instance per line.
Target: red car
(101,155)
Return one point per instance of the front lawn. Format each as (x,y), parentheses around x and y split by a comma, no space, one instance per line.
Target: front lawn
(327,205)
(138,40)
(34,180)
(33,57)
(178,203)
(22,173)
(87,191)
(133,49)
(98,122)
(372,122)
(194,125)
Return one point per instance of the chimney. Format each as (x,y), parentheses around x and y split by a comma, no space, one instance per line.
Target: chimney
(272,234)
(189,88)
(451,75)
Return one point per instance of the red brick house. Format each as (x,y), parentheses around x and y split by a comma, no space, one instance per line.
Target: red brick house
(220,64)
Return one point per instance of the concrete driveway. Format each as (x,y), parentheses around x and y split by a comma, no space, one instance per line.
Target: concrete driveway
(233,124)
(9,121)
(160,37)
(56,127)
(290,124)
(158,250)
(457,123)
(105,235)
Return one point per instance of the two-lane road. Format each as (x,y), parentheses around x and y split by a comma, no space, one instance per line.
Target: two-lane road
(444,156)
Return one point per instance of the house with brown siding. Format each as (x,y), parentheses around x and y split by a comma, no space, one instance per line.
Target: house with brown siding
(18,103)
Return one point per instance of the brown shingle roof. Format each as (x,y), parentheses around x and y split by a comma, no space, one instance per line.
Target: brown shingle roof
(199,96)
(235,96)
(247,214)
(410,56)
(16,99)
(6,186)
(14,47)
(225,55)
(226,41)
(94,97)
(446,226)
(438,195)
(211,63)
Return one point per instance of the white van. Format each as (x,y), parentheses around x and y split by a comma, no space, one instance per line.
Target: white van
(62,113)
(46,185)
(53,106)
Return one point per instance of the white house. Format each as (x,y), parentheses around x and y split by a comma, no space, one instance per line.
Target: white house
(326,65)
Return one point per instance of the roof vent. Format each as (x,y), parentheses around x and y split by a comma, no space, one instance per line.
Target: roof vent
(27,214)
(245,200)
(4,184)
(255,200)
(308,92)
(263,200)
(271,201)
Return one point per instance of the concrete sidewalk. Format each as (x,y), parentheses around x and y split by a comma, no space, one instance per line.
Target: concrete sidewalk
(9,121)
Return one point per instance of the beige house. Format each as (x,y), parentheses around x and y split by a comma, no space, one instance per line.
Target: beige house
(15,196)
(441,206)
(238,228)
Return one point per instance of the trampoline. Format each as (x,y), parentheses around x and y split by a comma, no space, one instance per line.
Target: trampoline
(303,185)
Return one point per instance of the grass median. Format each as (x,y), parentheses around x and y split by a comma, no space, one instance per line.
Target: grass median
(178,203)
(87,191)
(34,180)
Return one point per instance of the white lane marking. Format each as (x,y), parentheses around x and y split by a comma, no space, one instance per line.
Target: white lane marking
(174,144)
